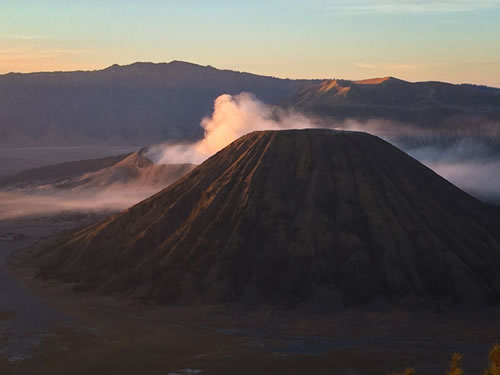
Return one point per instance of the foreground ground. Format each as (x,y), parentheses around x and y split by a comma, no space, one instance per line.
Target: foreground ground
(46,328)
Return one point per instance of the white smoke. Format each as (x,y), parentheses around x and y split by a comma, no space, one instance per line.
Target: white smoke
(233,117)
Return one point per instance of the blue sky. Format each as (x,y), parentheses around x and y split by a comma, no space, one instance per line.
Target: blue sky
(456,41)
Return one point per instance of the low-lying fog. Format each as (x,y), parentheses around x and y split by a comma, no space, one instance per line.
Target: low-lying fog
(479,178)
(20,204)
(471,161)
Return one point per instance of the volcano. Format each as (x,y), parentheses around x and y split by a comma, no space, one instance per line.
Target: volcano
(286,218)
(132,171)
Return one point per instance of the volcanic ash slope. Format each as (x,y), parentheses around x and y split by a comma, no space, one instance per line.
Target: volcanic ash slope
(291,217)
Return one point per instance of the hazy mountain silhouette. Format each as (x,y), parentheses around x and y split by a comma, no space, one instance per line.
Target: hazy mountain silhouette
(290,217)
(142,103)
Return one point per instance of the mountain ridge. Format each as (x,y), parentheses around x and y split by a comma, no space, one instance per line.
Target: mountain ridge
(136,104)
(197,66)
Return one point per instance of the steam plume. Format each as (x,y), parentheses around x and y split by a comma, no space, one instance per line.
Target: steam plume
(233,117)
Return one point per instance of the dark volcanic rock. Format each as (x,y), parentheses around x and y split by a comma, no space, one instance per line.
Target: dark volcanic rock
(289,217)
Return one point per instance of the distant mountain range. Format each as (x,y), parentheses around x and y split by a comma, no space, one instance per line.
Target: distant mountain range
(142,103)
(412,115)
(379,95)
(325,218)
(147,103)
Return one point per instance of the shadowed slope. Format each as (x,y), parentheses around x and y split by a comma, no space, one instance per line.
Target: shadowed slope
(292,216)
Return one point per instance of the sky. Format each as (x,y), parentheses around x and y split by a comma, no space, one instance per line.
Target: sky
(447,40)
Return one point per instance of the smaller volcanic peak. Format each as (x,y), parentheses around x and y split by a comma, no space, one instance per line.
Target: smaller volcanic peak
(134,162)
(53,174)
(135,171)
(292,217)
(88,186)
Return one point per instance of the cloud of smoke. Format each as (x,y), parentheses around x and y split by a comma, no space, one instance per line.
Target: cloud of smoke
(233,117)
